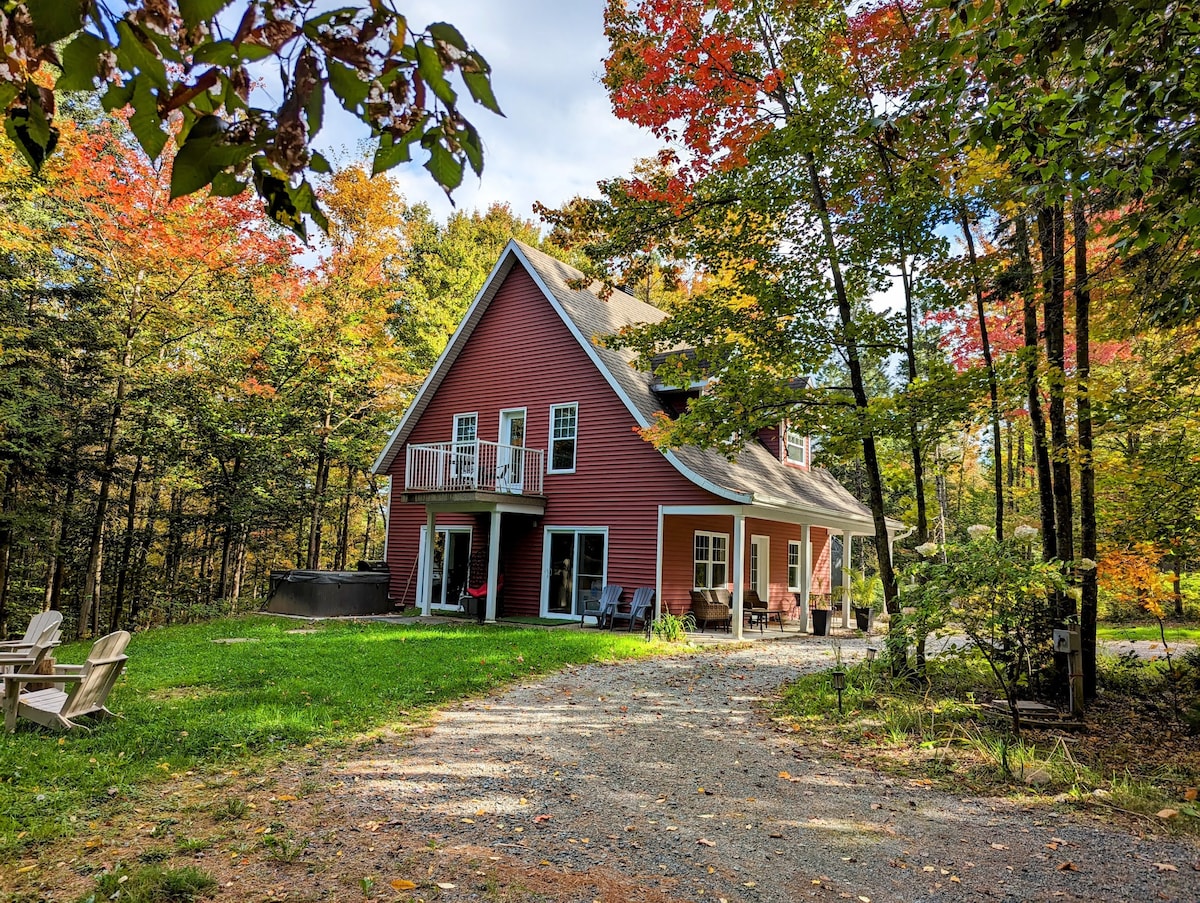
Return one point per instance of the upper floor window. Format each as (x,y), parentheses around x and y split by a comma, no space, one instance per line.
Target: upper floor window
(797,446)
(711,558)
(564,431)
(465,433)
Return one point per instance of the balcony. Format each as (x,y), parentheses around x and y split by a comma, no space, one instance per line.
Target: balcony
(478,466)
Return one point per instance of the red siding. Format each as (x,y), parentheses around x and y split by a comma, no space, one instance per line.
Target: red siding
(678,532)
(522,355)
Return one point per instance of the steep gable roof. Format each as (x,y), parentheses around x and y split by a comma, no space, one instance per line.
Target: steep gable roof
(754,477)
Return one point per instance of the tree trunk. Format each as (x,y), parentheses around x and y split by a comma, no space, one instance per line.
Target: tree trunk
(313,560)
(145,541)
(54,602)
(239,570)
(1041,452)
(1088,605)
(6,535)
(1051,238)
(993,385)
(90,604)
(858,388)
(343,547)
(914,436)
(118,604)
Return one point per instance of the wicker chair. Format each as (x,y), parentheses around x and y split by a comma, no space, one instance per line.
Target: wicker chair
(707,606)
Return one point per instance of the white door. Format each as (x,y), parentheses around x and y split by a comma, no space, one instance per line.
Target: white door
(760,567)
(509,462)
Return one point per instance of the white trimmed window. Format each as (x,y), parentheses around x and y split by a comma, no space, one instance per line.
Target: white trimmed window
(711,557)
(564,431)
(797,446)
(465,433)
(794,567)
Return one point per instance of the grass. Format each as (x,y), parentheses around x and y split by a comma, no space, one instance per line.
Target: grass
(190,704)
(1133,761)
(1130,632)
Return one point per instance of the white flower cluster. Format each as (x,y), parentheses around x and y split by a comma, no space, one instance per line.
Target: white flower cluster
(927,549)
(1086,564)
(1026,533)
(978,531)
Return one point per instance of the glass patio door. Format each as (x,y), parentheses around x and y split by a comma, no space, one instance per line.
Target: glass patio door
(577,563)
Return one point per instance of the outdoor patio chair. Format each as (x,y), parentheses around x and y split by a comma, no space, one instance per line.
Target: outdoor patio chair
(605,606)
(91,683)
(30,658)
(706,607)
(35,632)
(640,609)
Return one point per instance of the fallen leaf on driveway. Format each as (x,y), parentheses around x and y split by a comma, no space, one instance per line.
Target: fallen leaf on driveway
(446,885)
(999,846)
(402,884)
(705,842)
(1165,867)
(1067,867)
(1167,813)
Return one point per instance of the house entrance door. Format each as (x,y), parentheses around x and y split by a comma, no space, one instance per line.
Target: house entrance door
(451,563)
(760,566)
(509,462)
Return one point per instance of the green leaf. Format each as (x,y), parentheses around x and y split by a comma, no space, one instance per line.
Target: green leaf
(429,64)
(30,130)
(81,63)
(480,86)
(351,90)
(144,122)
(134,56)
(472,147)
(392,151)
(221,53)
(226,185)
(446,169)
(314,108)
(448,34)
(54,20)
(196,11)
(117,97)
(318,163)
(202,156)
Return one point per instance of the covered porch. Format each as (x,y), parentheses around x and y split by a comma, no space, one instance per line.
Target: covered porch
(781,558)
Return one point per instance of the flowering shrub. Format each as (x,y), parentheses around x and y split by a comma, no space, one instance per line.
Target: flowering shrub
(996,593)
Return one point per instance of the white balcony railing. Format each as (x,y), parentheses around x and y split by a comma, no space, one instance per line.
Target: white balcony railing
(473,466)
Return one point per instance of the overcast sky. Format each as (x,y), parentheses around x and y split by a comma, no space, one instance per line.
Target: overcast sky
(558,137)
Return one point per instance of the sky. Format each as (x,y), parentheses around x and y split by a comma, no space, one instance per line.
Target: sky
(559,136)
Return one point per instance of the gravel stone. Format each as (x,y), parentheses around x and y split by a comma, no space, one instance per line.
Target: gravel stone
(664,776)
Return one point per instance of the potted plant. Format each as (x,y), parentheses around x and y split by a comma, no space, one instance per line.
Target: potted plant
(820,615)
(864,597)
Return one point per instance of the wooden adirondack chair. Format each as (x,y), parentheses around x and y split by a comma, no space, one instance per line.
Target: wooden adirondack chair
(39,625)
(640,609)
(606,606)
(91,683)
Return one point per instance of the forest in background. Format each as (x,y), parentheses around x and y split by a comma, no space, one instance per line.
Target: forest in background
(186,405)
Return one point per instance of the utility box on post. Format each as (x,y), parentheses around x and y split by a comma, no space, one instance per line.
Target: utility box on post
(1067,641)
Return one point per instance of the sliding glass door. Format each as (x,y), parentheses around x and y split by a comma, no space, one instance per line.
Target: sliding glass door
(575,562)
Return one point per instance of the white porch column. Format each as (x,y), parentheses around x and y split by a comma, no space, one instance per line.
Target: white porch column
(805,575)
(658,562)
(430,540)
(846,540)
(739,581)
(493,573)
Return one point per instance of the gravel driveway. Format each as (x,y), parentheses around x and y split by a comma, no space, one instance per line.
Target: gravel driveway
(661,780)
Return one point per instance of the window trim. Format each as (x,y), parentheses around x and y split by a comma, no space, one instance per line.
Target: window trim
(797,548)
(464,468)
(787,446)
(550,439)
(708,562)
(454,429)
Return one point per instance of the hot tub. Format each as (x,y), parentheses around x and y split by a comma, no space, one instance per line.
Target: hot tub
(329,594)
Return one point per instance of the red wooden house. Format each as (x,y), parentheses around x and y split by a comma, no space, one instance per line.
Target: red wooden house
(521,449)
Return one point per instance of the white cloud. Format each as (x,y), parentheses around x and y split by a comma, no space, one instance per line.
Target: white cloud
(558,137)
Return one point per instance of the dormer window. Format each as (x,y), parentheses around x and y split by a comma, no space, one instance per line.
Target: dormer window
(796,447)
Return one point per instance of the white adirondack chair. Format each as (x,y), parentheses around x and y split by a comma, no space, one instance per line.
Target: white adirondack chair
(36,630)
(91,683)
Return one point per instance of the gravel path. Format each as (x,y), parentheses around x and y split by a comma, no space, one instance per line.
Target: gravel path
(661,781)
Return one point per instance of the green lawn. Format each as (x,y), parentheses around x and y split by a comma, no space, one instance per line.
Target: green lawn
(1175,634)
(191,704)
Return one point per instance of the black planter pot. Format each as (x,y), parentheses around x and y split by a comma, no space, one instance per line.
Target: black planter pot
(821,622)
(863,619)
